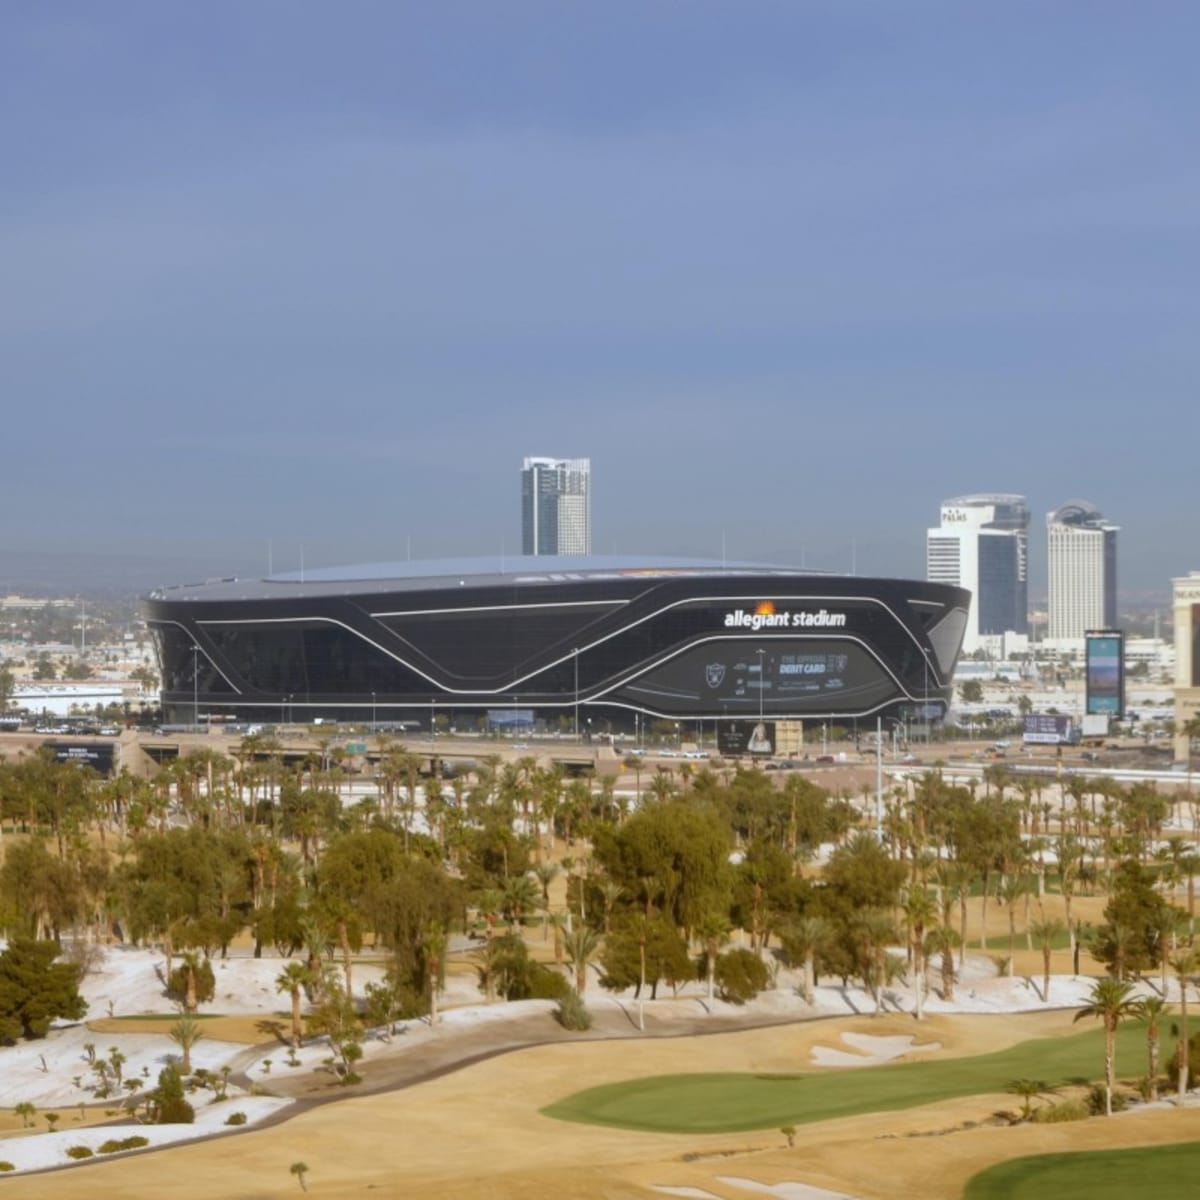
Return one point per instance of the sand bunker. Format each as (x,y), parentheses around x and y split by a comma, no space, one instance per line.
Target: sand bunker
(788,1190)
(870,1051)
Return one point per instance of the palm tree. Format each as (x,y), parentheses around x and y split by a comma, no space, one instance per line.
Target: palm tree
(1184,964)
(1045,933)
(185,1033)
(1112,1000)
(25,1110)
(299,1169)
(803,940)
(582,944)
(191,966)
(920,912)
(944,940)
(1154,1008)
(1027,1089)
(292,979)
(713,932)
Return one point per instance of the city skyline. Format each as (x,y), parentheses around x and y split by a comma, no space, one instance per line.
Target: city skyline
(321,282)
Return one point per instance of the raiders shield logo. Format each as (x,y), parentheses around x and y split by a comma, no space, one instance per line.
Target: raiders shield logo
(714,673)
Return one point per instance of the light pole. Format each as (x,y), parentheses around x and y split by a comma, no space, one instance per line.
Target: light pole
(372,712)
(577,693)
(195,686)
(762,682)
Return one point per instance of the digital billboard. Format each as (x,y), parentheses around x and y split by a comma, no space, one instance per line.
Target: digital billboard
(735,738)
(1050,729)
(1105,673)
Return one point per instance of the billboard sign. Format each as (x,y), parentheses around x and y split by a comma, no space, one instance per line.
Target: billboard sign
(1105,673)
(736,738)
(100,756)
(1049,729)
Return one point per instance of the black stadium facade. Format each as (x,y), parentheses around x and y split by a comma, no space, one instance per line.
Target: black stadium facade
(600,638)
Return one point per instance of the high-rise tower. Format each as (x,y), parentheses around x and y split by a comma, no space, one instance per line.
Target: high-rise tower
(556,506)
(1083,571)
(982,544)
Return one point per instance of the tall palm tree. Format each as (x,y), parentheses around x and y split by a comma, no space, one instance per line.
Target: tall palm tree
(713,931)
(1154,1008)
(920,912)
(1184,964)
(944,940)
(293,979)
(582,944)
(803,940)
(1112,1000)
(1045,933)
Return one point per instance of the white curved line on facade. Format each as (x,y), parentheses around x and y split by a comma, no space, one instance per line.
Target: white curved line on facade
(566,658)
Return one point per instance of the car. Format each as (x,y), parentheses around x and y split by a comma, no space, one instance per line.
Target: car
(826,758)
(910,760)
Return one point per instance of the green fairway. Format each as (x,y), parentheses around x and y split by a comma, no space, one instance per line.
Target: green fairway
(726,1102)
(1164,1172)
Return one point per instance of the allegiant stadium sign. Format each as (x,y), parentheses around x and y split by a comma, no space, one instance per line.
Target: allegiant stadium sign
(765,617)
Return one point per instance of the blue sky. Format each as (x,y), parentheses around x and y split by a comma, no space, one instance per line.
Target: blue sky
(792,272)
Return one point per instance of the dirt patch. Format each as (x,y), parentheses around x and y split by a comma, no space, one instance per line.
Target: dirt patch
(248,1030)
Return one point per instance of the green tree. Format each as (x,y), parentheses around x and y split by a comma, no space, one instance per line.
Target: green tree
(35,989)
(971,691)
(1112,1001)
(167,1104)
(1136,918)
(299,1169)
(741,975)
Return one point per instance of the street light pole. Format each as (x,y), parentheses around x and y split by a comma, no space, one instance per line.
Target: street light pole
(372,712)
(762,680)
(577,693)
(195,686)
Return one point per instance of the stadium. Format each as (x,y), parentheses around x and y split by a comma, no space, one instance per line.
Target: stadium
(597,642)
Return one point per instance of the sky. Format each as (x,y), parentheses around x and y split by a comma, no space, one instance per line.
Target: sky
(280,274)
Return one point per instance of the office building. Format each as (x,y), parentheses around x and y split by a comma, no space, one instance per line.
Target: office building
(1082,580)
(556,506)
(1186,597)
(982,544)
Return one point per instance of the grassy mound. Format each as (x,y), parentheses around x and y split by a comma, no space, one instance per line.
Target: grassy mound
(730,1102)
(1164,1172)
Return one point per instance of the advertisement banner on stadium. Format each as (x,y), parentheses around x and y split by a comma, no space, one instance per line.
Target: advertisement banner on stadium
(736,738)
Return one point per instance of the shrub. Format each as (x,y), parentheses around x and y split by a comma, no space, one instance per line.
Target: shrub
(79,1152)
(237,1118)
(7,1166)
(572,1014)
(545,984)
(1066,1110)
(1095,1100)
(740,975)
(113,1145)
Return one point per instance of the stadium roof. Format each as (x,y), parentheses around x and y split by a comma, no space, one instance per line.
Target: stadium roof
(516,571)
